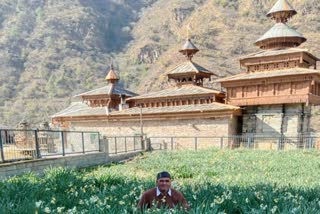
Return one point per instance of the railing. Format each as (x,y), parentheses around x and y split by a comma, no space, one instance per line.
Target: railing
(34,144)
(125,144)
(232,142)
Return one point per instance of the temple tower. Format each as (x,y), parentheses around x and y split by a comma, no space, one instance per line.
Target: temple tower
(189,72)
(281,82)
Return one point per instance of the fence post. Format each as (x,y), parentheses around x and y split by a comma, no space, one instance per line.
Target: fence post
(142,143)
(104,145)
(309,143)
(37,144)
(221,143)
(134,143)
(99,145)
(82,138)
(62,142)
(125,144)
(279,144)
(149,148)
(1,147)
(196,143)
(115,145)
(172,143)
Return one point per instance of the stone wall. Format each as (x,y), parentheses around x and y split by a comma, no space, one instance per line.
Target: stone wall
(272,120)
(182,127)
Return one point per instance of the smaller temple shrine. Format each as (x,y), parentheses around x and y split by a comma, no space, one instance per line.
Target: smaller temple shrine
(281,82)
(111,97)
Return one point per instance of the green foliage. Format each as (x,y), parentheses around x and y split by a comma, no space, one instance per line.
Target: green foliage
(229,181)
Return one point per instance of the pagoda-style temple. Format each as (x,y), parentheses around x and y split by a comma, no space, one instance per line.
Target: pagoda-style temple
(185,108)
(280,83)
(99,101)
(187,85)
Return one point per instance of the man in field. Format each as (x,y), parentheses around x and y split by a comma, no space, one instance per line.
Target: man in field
(163,195)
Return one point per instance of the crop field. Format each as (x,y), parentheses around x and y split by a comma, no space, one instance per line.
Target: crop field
(213,181)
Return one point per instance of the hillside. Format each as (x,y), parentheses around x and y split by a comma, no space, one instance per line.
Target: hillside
(51,51)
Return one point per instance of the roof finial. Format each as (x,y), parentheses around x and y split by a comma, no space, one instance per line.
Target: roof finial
(188,31)
(111,65)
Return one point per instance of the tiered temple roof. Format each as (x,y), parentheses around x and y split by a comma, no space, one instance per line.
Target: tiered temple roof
(109,97)
(281,35)
(188,88)
(189,72)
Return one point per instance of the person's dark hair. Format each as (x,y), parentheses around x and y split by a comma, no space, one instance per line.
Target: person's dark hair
(163,174)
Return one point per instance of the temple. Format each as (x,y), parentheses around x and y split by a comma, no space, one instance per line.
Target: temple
(272,97)
(281,82)
(185,108)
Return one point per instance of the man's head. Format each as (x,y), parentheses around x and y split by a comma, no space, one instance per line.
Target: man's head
(163,181)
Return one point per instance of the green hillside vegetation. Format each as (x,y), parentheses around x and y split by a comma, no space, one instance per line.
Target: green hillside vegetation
(52,50)
(213,181)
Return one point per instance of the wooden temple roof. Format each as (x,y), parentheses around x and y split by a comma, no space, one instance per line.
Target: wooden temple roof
(281,31)
(177,91)
(79,109)
(270,74)
(175,109)
(109,90)
(188,67)
(281,6)
(265,53)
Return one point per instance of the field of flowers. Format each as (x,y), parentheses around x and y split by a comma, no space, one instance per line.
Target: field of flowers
(213,181)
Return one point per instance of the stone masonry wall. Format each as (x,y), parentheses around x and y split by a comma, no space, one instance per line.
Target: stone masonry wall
(290,119)
(191,128)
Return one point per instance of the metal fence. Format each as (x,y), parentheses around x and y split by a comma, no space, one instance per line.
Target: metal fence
(124,144)
(30,144)
(233,142)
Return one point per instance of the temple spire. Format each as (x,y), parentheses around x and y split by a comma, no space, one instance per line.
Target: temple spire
(281,36)
(112,76)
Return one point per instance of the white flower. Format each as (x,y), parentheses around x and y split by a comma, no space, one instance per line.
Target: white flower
(47,210)
(53,200)
(94,199)
(60,209)
(39,203)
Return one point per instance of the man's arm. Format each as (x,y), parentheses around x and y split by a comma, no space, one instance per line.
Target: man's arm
(182,201)
(143,201)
